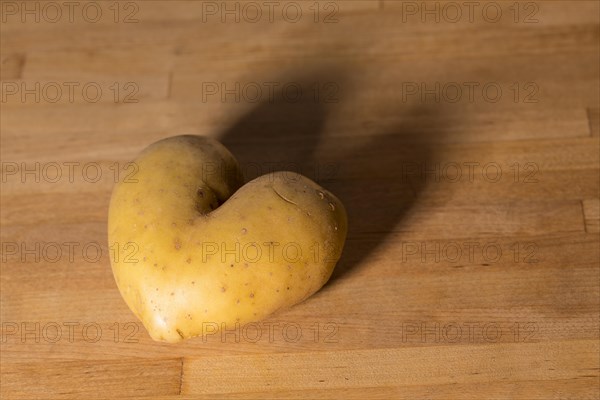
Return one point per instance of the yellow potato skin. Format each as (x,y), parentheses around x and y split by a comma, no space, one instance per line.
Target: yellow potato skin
(208,251)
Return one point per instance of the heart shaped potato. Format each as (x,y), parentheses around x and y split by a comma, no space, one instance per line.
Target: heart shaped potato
(202,249)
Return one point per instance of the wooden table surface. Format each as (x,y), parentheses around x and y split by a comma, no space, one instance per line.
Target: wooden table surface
(463,140)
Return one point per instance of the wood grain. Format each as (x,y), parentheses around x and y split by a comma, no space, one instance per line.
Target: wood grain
(472,265)
(121,378)
(355,369)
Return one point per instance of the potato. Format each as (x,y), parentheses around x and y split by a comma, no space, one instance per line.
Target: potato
(198,249)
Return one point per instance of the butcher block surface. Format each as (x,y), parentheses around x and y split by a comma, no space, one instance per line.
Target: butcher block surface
(463,140)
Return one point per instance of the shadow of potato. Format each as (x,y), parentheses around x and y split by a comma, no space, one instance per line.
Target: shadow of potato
(368,176)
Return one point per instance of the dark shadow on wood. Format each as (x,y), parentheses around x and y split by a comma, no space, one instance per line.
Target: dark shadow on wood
(375,180)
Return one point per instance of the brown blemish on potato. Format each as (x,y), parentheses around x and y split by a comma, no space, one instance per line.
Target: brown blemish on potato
(180,333)
(332,206)
(177,244)
(251,295)
(189,260)
(223,289)
(244,231)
